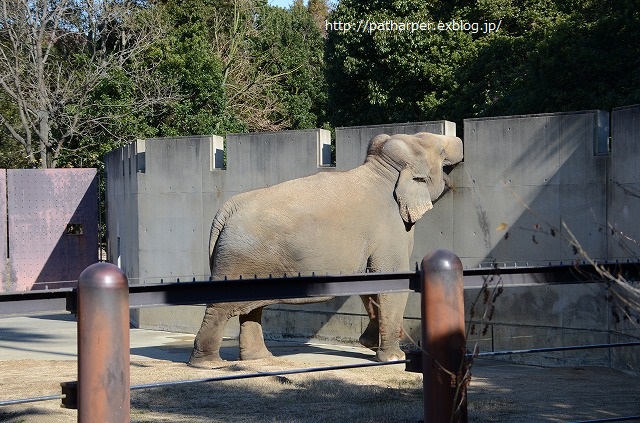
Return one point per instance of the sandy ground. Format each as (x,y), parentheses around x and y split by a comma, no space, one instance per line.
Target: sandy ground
(498,393)
(38,353)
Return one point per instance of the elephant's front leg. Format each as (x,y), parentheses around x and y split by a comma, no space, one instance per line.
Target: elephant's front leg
(252,345)
(370,338)
(391,322)
(386,313)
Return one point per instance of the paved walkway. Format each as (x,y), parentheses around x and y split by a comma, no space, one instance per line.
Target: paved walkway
(54,337)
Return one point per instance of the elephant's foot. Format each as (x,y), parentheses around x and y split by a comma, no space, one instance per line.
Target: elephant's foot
(254,353)
(200,358)
(369,337)
(390,354)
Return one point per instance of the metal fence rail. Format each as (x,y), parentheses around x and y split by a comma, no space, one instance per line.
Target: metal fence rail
(435,282)
(555,349)
(294,286)
(103,297)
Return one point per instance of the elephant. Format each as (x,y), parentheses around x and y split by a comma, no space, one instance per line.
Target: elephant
(348,222)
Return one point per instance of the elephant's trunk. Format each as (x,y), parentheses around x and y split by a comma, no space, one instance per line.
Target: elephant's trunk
(447,181)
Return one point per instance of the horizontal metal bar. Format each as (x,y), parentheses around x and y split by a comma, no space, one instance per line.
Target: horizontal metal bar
(34,399)
(611,419)
(186,293)
(204,292)
(218,379)
(265,374)
(35,301)
(547,266)
(553,349)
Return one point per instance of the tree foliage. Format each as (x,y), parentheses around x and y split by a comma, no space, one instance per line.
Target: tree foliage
(547,56)
(272,60)
(295,44)
(79,79)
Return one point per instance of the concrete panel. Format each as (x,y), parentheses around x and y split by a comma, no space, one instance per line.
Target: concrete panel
(533,149)
(185,319)
(8,282)
(173,237)
(626,359)
(625,148)
(542,316)
(175,164)
(352,142)
(262,159)
(52,226)
(522,177)
(122,170)
(624,187)
(341,319)
(583,208)
(303,324)
(493,224)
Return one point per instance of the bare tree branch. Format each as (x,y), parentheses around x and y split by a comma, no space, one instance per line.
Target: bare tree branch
(247,81)
(54,53)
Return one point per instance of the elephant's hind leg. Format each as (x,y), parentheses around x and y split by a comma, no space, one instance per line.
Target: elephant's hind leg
(252,345)
(206,346)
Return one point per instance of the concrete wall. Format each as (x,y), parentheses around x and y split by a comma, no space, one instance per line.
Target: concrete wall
(523,179)
(171,188)
(623,212)
(552,183)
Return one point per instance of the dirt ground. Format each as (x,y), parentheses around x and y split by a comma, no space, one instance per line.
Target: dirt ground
(498,392)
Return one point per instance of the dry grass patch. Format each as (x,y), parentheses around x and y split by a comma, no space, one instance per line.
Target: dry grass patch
(378,394)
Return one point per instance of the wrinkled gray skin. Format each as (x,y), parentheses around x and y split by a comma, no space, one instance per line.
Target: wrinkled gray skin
(348,222)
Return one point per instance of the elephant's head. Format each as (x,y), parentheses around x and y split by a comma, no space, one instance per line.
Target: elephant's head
(419,160)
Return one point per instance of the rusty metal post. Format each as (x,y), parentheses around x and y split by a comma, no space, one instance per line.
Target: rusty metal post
(443,338)
(103,345)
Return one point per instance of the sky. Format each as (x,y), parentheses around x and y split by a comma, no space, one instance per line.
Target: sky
(282,3)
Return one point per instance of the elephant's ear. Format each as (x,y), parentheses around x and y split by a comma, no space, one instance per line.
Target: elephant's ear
(412,195)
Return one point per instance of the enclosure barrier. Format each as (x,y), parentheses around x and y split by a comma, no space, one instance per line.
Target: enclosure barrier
(444,365)
(103,345)
(440,280)
(103,341)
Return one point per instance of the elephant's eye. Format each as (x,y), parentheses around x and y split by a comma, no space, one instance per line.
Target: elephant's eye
(420,178)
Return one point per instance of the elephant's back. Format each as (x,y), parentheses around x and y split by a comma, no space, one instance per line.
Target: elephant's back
(311,224)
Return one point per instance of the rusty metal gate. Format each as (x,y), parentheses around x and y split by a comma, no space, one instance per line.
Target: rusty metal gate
(48,227)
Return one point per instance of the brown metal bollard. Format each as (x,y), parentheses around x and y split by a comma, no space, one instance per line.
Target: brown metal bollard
(103,345)
(443,338)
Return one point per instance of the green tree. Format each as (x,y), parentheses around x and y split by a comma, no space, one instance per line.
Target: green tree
(189,59)
(12,154)
(552,56)
(296,45)
(319,10)
(377,75)
(271,60)
(547,56)
(191,101)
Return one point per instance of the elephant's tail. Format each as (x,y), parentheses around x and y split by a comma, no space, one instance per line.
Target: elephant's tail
(217,226)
